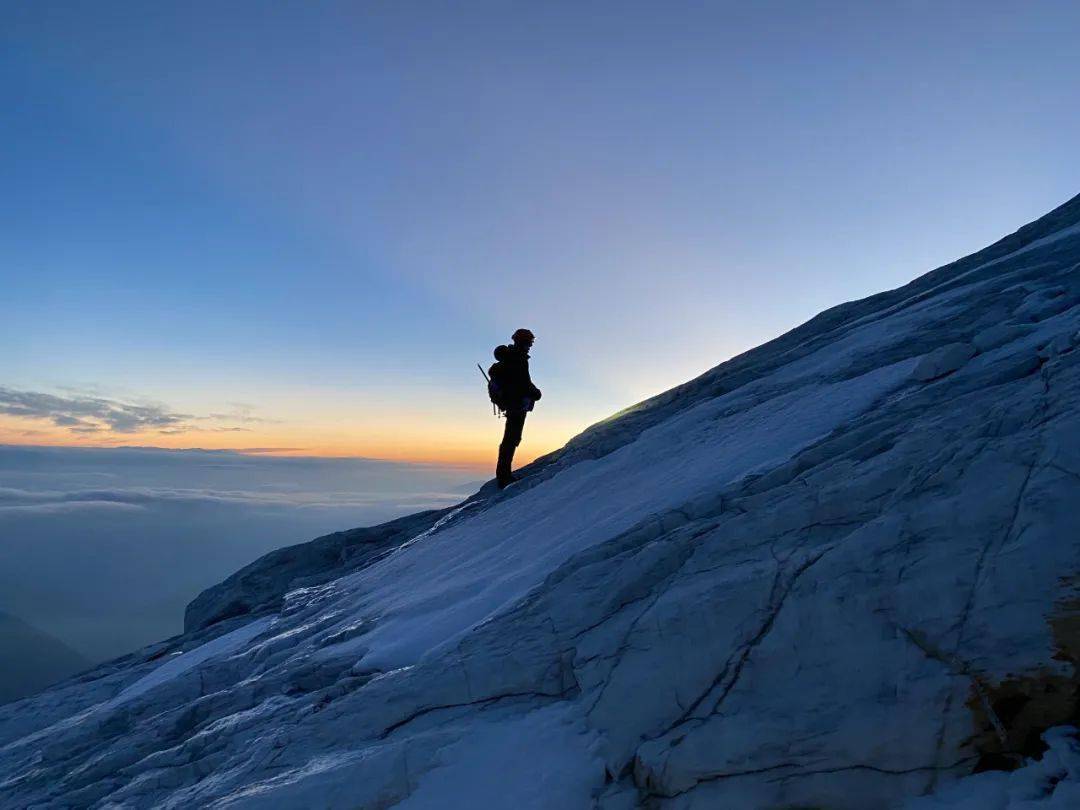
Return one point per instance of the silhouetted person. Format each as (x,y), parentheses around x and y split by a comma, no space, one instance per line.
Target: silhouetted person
(515,397)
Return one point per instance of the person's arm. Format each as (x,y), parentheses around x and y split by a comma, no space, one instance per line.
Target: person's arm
(534,392)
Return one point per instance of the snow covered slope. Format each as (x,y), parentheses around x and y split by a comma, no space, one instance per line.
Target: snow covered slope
(838,571)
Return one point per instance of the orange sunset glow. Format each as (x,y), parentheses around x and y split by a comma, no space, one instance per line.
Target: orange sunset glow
(422,443)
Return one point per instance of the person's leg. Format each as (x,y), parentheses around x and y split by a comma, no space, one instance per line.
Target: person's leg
(515,423)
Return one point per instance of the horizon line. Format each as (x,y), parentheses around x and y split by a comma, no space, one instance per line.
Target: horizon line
(254,452)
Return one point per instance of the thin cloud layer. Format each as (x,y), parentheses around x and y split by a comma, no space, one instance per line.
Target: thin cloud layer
(89,415)
(66,507)
(17,500)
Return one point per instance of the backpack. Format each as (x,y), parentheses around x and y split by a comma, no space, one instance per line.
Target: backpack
(495,394)
(494,375)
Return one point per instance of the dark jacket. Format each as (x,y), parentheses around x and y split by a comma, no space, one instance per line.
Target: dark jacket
(510,373)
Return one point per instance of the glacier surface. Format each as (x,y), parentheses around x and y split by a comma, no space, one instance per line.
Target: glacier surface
(837,571)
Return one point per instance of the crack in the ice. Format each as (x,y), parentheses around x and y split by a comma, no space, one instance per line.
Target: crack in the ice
(980,564)
(799,774)
(612,613)
(961,668)
(465,704)
(1071,473)
(965,614)
(657,591)
(738,660)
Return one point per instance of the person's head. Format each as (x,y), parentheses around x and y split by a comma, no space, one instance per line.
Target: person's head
(523,338)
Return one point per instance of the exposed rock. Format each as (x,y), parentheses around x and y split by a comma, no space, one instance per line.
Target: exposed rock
(1051,782)
(998,335)
(1041,304)
(943,360)
(260,586)
(1058,345)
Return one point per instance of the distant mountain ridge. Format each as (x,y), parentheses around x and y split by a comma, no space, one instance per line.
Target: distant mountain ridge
(840,570)
(32,659)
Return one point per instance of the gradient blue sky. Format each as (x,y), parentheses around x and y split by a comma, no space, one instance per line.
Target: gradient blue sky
(301,224)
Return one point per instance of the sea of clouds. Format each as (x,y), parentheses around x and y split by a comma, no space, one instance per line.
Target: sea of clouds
(103,548)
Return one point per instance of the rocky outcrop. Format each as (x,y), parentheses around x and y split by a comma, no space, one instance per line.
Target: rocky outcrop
(839,571)
(259,587)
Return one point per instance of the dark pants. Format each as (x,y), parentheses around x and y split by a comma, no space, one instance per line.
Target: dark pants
(515,423)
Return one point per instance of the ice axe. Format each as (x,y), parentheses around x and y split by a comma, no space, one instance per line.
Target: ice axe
(487,379)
